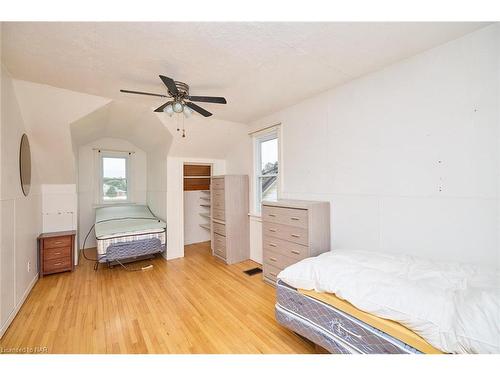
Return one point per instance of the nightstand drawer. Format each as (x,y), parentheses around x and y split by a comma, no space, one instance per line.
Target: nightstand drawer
(57,242)
(56,265)
(57,252)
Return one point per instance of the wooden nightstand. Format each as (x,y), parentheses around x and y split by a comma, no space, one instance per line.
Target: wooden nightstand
(56,252)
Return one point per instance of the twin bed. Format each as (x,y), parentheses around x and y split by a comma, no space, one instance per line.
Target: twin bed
(350,301)
(128,232)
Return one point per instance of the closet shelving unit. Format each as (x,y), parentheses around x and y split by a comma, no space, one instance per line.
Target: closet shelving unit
(205,204)
(197,177)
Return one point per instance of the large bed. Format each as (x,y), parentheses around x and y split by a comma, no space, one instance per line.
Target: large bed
(128,232)
(350,301)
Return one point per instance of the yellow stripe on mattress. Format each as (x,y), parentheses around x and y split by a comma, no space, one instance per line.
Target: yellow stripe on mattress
(390,327)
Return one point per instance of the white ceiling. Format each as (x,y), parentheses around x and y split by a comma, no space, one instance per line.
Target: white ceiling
(259,67)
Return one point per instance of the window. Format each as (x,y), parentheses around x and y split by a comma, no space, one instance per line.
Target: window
(114,182)
(266,168)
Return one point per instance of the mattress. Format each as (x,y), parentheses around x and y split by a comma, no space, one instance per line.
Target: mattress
(331,328)
(454,307)
(127,224)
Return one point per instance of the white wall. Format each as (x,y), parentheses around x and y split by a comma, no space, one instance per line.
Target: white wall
(88,187)
(408,156)
(20,216)
(157,183)
(193,232)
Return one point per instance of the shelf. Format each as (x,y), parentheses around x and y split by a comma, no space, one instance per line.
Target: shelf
(206,226)
(207,215)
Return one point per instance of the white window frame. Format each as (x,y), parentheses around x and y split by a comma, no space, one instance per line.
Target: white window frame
(258,139)
(118,155)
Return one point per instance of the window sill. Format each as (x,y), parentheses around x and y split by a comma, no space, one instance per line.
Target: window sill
(97,205)
(254,215)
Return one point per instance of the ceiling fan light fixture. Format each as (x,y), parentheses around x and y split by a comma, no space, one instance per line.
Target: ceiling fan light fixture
(178,107)
(169,110)
(187,111)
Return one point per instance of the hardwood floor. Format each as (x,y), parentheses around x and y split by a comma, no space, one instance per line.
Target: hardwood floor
(194,304)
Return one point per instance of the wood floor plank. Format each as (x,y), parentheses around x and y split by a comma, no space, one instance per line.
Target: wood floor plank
(195,304)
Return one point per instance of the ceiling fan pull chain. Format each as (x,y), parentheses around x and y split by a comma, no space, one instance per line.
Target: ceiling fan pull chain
(183,128)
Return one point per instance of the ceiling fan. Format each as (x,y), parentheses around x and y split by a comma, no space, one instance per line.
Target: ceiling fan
(179,93)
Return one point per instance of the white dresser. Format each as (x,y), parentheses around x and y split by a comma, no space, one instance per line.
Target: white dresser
(291,231)
(230,223)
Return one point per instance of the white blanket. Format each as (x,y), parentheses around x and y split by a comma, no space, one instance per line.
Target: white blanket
(455,307)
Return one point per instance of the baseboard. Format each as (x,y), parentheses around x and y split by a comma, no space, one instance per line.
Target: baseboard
(18,307)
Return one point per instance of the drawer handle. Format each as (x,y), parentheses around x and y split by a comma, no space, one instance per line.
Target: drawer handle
(272,259)
(273,274)
(57,253)
(58,242)
(272,244)
(294,218)
(272,215)
(295,252)
(272,230)
(57,264)
(295,235)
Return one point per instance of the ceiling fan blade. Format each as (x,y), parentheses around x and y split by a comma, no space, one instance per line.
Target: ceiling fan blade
(198,109)
(169,82)
(143,93)
(160,108)
(208,99)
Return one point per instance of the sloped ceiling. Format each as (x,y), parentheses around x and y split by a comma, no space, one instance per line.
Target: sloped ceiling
(137,124)
(259,67)
(48,111)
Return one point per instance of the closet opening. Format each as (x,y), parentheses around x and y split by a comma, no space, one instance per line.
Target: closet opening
(197,205)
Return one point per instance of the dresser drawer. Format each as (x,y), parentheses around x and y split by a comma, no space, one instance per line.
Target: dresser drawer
(287,248)
(218,214)
(219,228)
(281,215)
(217,183)
(218,201)
(57,253)
(57,242)
(220,245)
(285,232)
(270,272)
(57,265)
(278,260)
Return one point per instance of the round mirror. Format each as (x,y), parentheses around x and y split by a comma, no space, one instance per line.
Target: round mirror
(25,164)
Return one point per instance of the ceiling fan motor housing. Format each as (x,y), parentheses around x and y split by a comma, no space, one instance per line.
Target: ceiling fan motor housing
(183,89)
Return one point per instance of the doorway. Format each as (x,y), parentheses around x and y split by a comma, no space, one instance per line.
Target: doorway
(197,206)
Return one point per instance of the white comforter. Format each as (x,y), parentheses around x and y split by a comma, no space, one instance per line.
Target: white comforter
(455,307)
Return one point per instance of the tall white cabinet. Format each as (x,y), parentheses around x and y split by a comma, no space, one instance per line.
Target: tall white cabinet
(230,222)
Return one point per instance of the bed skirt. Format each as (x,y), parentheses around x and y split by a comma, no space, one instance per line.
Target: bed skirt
(331,328)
